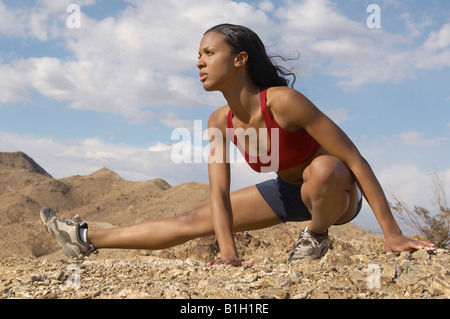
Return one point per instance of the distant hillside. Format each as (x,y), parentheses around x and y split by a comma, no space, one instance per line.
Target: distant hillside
(102,197)
(19,162)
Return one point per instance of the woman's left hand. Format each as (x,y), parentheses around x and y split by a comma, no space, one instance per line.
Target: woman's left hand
(400,243)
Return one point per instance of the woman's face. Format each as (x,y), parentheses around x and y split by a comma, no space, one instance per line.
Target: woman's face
(216,63)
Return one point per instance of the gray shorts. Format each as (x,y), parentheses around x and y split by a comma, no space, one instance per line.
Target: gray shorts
(286,201)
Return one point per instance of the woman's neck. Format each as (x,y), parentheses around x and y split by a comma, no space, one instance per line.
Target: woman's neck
(243,101)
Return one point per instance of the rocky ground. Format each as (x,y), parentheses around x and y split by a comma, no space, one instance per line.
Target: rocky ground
(346,272)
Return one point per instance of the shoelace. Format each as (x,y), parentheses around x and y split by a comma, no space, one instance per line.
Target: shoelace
(303,244)
(307,240)
(76,220)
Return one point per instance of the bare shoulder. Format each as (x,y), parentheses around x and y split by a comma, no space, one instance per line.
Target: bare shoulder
(218,119)
(285,97)
(288,107)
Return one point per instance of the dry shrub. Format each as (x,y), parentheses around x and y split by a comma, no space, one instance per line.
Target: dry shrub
(433,226)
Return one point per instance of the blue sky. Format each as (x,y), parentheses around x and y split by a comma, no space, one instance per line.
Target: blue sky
(111,92)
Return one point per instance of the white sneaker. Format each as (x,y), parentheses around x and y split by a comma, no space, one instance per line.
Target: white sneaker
(309,245)
(67,233)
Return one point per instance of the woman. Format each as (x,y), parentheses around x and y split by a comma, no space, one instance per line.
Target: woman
(319,170)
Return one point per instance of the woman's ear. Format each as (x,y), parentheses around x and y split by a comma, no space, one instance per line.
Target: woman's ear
(241,59)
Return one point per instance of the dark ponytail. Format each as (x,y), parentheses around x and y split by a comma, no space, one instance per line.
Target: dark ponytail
(263,72)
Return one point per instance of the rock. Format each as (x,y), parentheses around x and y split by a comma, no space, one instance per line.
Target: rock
(320,293)
(386,280)
(302,295)
(274,293)
(421,254)
(295,274)
(51,295)
(441,284)
(390,270)
(405,255)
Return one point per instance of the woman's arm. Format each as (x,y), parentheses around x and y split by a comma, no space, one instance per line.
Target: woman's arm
(219,183)
(294,109)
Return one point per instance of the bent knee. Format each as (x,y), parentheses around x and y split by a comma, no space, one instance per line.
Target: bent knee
(328,170)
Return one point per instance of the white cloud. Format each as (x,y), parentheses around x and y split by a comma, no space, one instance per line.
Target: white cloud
(408,183)
(339,115)
(438,40)
(160,147)
(335,44)
(435,52)
(416,139)
(170,121)
(43,21)
(266,6)
(9,21)
(141,59)
(225,11)
(14,86)
(144,58)
(412,186)
(414,28)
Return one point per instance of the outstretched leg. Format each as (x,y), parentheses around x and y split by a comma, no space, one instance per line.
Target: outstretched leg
(250,211)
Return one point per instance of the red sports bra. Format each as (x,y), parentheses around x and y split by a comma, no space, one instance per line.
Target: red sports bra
(287,149)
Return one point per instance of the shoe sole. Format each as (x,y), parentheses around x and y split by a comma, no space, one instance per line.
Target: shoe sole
(58,237)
